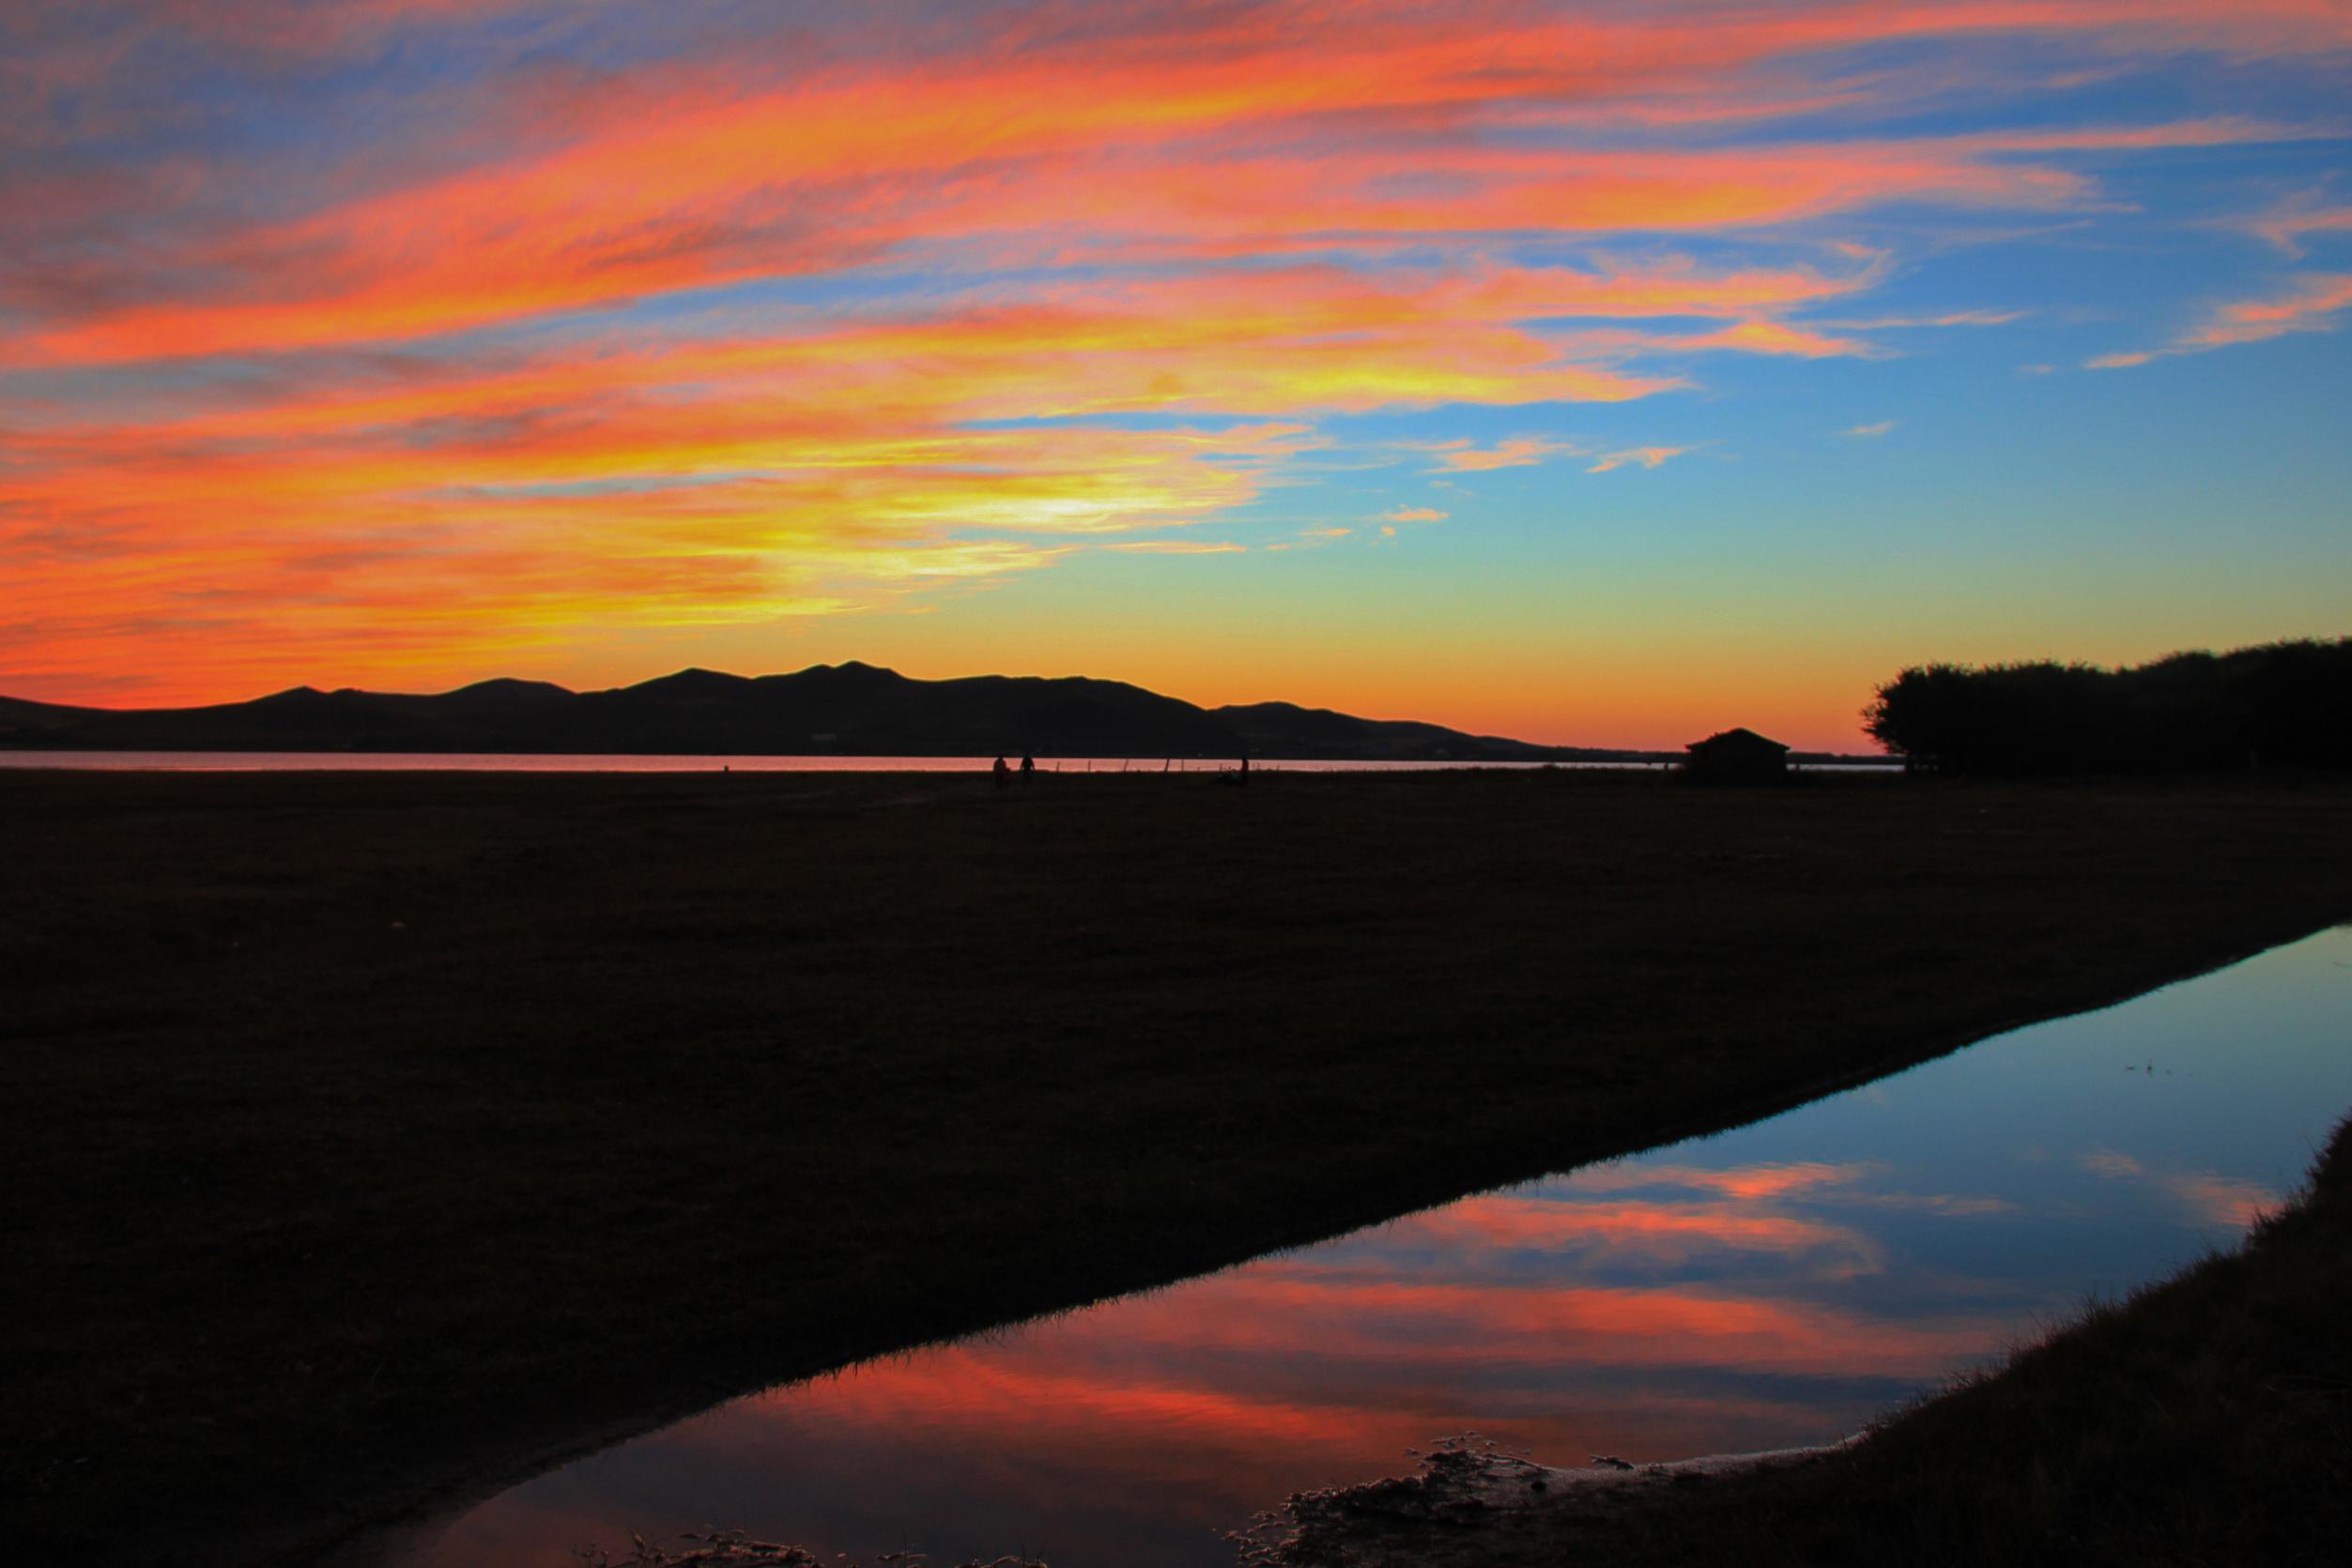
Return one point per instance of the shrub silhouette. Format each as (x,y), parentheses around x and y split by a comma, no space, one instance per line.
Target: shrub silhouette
(2281,705)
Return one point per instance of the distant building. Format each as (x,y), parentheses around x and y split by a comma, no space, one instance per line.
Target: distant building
(1736,757)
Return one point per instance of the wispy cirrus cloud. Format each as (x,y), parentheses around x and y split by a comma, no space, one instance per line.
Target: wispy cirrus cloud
(2288,225)
(2208,1196)
(2313,302)
(1938,319)
(1314,538)
(1643,456)
(1177,547)
(1518,451)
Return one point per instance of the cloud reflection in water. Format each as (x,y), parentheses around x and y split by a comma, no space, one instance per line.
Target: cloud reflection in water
(1778,1284)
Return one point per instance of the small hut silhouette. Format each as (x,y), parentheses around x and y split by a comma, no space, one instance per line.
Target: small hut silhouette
(1736,757)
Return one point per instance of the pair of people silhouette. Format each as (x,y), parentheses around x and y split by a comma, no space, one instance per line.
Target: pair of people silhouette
(1004,774)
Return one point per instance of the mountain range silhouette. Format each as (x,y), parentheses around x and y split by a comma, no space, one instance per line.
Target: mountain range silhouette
(846,709)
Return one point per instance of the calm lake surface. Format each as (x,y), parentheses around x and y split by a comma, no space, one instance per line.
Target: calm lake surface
(1776,1286)
(523,761)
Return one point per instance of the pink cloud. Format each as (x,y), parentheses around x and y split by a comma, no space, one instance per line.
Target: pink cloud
(2312,302)
(2309,304)
(2287,227)
(2206,1196)
(1519,452)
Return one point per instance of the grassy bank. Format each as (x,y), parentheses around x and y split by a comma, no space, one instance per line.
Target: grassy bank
(375,1134)
(2206,1420)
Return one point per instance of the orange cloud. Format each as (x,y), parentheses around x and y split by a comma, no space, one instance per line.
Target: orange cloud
(704,483)
(2286,226)
(1272,1313)
(1655,1233)
(2309,304)
(1946,319)
(1518,451)
(1775,337)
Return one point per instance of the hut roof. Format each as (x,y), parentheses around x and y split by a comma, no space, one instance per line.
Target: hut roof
(1729,742)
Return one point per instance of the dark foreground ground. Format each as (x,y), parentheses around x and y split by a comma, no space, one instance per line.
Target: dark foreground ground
(370,1137)
(2206,1421)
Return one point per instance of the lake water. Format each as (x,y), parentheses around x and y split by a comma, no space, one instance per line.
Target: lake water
(1776,1286)
(517,762)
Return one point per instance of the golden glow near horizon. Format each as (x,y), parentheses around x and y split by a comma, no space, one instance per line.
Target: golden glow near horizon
(1583,372)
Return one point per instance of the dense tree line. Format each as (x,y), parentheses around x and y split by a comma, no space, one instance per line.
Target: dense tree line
(2282,705)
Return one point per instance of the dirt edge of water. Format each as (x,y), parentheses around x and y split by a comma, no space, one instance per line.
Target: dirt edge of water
(1466,1496)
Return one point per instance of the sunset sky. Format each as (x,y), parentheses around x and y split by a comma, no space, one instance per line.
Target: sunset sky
(1592,372)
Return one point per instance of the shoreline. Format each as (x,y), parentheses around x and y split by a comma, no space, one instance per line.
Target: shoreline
(341,1500)
(1465,1488)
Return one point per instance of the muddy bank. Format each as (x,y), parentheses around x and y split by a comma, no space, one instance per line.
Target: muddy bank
(1470,1503)
(732,1549)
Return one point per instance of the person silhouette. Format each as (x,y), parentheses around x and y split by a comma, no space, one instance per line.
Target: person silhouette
(1004,774)
(1028,766)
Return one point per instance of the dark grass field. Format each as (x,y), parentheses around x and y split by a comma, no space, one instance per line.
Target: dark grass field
(370,1137)
(2206,1420)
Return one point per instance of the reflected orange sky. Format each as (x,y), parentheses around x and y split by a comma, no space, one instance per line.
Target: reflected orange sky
(1305,1369)
(1779,1285)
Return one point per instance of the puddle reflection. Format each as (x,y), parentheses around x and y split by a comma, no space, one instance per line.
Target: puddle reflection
(1773,1286)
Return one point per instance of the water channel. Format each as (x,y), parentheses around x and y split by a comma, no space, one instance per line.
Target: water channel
(1772,1286)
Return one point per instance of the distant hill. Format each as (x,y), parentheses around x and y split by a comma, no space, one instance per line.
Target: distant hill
(847,709)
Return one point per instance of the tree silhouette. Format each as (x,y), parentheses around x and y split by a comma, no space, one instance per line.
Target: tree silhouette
(2280,705)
